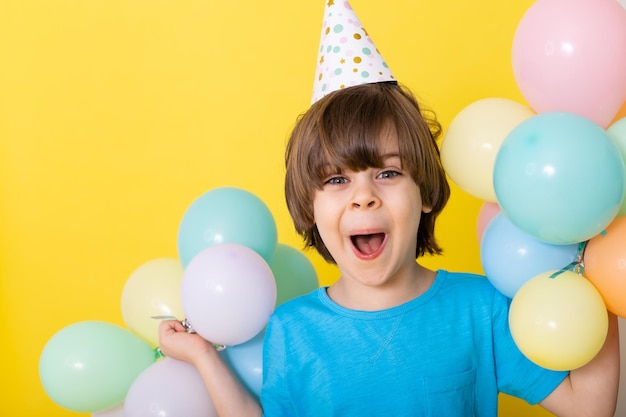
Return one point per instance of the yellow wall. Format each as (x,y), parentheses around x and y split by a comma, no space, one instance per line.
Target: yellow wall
(116,114)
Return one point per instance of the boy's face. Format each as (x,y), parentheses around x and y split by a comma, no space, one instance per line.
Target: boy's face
(368,219)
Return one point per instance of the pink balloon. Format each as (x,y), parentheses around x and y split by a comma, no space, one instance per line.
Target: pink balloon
(228,293)
(570,55)
(168,388)
(486,213)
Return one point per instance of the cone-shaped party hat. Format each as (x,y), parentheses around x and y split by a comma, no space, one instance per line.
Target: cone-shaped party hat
(347,55)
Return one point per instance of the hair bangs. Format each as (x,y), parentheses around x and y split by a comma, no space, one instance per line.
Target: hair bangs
(352,140)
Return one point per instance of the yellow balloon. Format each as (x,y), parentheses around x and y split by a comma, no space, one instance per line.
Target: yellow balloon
(559,323)
(153,289)
(472,141)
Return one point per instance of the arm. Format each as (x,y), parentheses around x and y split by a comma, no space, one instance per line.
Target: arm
(229,397)
(590,390)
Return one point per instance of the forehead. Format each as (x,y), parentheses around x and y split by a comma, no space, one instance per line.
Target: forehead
(388,142)
(359,152)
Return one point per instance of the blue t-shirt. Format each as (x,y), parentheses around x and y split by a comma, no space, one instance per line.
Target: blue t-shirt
(445,353)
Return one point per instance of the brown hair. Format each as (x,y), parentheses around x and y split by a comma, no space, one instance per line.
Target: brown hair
(342,130)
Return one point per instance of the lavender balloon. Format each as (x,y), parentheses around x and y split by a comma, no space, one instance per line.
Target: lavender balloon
(228,293)
(169,388)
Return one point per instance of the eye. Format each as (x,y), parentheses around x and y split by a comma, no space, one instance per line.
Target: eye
(389,174)
(336,180)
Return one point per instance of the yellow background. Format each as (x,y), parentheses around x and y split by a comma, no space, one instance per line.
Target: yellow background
(116,114)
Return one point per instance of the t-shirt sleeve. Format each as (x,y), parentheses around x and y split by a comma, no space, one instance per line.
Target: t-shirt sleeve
(274,394)
(516,374)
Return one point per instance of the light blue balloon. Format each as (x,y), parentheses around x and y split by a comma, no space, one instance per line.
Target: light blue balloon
(227,215)
(246,362)
(510,256)
(559,177)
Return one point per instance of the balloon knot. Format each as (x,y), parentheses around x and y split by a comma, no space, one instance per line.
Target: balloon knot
(158,354)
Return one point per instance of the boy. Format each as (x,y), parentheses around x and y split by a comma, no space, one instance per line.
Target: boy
(390,336)
(364,185)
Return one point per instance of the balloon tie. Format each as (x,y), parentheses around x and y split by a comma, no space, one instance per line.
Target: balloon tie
(185,323)
(190,329)
(577,266)
(158,354)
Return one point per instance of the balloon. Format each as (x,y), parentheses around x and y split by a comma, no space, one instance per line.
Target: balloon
(617,132)
(559,177)
(246,362)
(293,272)
(486,213)
(510,256)
(153,289)
(470,145)
(228,293)
(621,113)
(605,265)
(559,323)
(169,388)
(117,411)
(571,56)
(89,366)
(227,215)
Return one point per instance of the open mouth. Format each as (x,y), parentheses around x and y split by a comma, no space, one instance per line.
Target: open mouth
(369,244)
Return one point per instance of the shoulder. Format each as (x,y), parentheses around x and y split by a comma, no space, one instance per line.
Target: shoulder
(304,306)
(297,320)
(465,281)
(472,289)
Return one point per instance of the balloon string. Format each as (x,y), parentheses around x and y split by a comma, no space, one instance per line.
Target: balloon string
(578,265)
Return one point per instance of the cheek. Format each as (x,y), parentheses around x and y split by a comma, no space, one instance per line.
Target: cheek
(321,215)
(326,219)
(321,219)
(414,214)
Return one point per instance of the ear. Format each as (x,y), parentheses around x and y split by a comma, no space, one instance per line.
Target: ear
(426,209)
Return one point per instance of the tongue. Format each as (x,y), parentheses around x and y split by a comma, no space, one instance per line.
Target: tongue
(368,244)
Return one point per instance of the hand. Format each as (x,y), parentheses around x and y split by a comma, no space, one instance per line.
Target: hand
(177,343)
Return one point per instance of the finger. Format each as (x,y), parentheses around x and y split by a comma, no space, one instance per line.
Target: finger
(171,325)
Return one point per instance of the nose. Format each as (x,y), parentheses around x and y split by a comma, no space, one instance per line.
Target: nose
(365,196)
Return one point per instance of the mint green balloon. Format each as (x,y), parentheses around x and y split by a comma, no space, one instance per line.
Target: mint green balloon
(293,272)
(226,215)
(89,366)
(617,132)
(559,177)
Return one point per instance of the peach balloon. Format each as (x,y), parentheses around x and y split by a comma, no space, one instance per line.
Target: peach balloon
(605,265)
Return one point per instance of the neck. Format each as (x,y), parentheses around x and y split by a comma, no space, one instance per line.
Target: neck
(354,295)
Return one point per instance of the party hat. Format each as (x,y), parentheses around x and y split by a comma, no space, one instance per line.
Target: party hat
(347,55)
